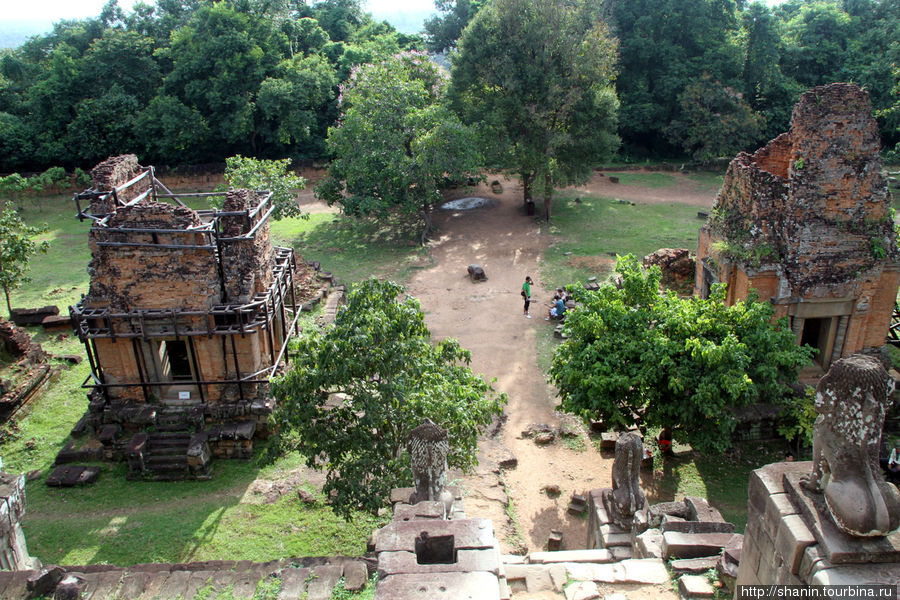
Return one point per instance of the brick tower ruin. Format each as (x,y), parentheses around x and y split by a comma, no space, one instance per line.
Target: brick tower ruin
(806,222)
(187,316)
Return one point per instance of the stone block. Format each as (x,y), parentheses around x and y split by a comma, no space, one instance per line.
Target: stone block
(13,584)
(657,511)
(649,544)
(420,510)
(575,556)
(884,573)
(641,522)
(608,440)
(695,586)
(700,510)
(555,540)
(698,526)
(467,534)
(767,480)
(198,580)
(812,561)
(356,575)
(620,553)
(538,580)
(402,495)
(616,539)
(558,576)
(777,506)
(293,583)
(644,571)
(693,545)
(390,563)
(322,581)
(439,586)
(175,584)
(583,590)
(693,566)
(791,540)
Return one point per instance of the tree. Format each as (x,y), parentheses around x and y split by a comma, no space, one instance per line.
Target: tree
(663,45)
(714,122)
(356,390)
(442,31)
(635,356)
(537,76)
(395,142)
(17,246)
(272,175)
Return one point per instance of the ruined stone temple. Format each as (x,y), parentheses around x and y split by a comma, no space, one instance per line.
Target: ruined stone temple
(186,318)
(806,222)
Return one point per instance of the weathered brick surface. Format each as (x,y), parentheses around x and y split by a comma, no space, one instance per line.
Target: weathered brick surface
(807,221)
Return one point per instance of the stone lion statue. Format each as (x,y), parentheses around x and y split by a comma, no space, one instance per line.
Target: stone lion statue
(852,399)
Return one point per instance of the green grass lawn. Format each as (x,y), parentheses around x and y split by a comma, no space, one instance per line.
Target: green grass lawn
(587,235)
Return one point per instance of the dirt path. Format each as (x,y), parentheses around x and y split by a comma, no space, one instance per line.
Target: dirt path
(487,319)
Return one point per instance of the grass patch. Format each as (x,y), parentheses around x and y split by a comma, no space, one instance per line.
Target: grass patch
(354,249)
(588,235)
(651,180)
(59,276)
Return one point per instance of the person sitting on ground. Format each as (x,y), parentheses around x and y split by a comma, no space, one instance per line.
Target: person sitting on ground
(557,309)
(664,442)
(562,294)
(893,463)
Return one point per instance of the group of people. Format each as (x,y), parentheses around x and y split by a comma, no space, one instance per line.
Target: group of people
(557,305)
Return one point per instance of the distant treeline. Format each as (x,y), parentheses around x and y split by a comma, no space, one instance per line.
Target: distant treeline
(195,81)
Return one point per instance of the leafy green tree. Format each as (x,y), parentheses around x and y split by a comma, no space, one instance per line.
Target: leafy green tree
(356,390)
(272,175)
(537,77)
(635,356)
(219,58)
(17,245)
(714,122)
(663,46)
(443,31)
(395,143)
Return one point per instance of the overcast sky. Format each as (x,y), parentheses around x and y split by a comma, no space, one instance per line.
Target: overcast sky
(51,11)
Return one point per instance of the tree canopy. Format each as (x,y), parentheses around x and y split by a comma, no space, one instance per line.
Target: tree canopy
(195,81)
(636,356)
(537,76)
(356,390)
(271,175)
(396,142)
(17,246)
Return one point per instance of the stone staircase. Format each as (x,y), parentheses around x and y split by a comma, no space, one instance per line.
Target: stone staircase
(166,458)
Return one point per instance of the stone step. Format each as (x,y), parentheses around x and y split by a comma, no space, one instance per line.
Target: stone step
(575,556)
(693,545)
(694,566)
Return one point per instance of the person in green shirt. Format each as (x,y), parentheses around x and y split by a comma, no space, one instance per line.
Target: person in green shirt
(526,294)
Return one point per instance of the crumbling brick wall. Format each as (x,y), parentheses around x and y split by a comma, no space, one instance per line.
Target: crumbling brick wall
(807,218)
(152,275)
(112,173)
(247,264)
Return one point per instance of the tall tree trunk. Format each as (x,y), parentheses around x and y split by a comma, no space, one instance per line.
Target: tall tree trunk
(526,187)
(426,218)
(8,306)
(548,195)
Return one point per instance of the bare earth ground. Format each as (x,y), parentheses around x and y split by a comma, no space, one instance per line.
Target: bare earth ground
(487,319)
